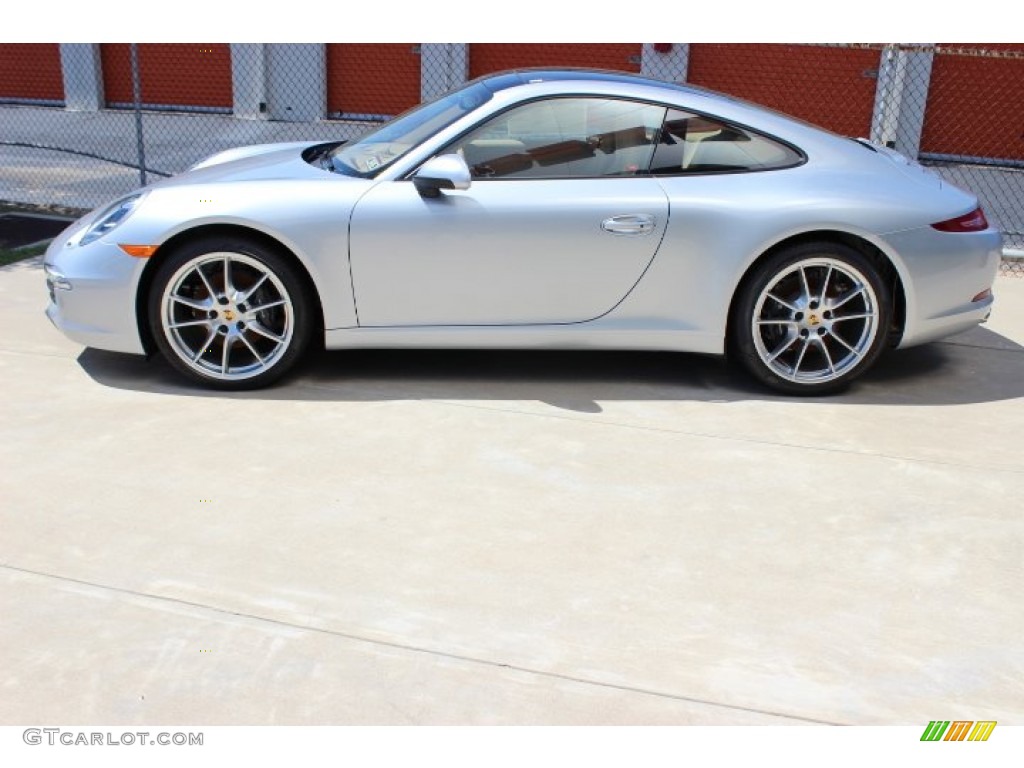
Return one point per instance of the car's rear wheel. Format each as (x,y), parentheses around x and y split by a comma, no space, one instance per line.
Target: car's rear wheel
(811,318)
(230,313)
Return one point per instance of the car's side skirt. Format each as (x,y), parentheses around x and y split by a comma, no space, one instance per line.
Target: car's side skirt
(524,337)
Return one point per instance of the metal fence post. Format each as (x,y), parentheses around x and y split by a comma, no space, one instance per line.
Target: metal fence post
(665,61)
(901,97)
(82,72)
(137,98)
(443,67)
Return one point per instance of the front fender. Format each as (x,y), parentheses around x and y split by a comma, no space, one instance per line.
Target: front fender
(308,218)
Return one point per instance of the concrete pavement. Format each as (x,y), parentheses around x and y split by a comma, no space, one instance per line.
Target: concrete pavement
(522,538)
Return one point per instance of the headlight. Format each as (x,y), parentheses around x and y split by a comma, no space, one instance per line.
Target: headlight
(111,218)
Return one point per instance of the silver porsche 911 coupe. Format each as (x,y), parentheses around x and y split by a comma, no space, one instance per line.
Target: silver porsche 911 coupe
(537,209)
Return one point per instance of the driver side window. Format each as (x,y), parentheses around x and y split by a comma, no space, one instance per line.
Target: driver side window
(564,138)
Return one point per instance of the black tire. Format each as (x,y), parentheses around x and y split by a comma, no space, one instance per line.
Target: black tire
(230,313)
(798,339)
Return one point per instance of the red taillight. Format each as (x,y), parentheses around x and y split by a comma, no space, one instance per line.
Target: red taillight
(970,222)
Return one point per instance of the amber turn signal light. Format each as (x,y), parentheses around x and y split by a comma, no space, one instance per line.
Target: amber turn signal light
(138,251)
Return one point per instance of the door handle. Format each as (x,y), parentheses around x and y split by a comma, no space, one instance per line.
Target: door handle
(629,224)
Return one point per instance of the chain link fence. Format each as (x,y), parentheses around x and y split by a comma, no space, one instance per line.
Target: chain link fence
(82,123)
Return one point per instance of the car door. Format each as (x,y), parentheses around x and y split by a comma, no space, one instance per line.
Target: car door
(558,224)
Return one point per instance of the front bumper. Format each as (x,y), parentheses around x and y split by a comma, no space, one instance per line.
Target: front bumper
(943,274)
(92,294)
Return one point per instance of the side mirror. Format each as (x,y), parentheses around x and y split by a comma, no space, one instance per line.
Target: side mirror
(441,172)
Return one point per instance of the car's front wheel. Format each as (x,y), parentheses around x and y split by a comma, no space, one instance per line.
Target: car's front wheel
(230,313)
(811,318)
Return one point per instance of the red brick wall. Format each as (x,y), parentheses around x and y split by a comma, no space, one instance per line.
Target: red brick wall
(976,104)
(372,78)
(186,74)
(493,57)
(31,71)
(825,86)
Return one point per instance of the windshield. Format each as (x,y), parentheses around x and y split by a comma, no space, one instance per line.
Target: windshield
(376,150)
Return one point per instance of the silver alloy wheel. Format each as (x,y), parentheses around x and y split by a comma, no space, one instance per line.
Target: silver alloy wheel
(815,320)
(227,316)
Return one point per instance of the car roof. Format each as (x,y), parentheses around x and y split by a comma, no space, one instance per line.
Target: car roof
(510,78)
(514,78)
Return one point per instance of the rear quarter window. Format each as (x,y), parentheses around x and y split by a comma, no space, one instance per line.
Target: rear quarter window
(694,144)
